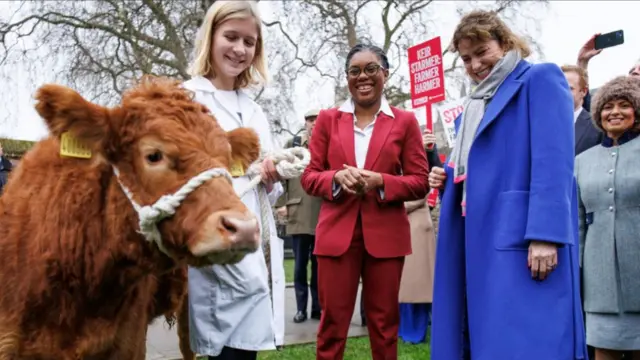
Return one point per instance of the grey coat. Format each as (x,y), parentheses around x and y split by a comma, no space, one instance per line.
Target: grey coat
(609,218)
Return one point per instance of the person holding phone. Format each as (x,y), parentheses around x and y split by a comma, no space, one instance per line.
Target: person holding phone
(507,274)
(591,49)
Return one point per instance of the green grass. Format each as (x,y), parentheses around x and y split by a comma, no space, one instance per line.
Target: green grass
(357,349)
(288,270)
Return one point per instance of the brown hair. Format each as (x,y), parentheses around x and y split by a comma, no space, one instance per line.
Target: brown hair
(582,74)
(481,25)
(621,87)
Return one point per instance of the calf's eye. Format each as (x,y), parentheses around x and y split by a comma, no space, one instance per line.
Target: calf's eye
(154,157)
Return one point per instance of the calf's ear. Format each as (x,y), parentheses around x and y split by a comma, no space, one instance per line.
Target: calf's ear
(63,109)
(245,146)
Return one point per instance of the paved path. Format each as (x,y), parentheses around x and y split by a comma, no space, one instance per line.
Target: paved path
(162,344)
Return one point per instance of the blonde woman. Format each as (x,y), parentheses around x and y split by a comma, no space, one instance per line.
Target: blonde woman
(237,310)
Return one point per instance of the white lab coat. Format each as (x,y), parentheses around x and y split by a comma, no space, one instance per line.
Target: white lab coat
(229,305)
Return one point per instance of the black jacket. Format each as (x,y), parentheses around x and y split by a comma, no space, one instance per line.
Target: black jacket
(5,168)
(586,134)
(433,158)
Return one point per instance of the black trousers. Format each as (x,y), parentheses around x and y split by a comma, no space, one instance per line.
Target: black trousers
(303,246)
(235,354)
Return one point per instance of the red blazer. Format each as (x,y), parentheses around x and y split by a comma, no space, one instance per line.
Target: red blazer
(396,152)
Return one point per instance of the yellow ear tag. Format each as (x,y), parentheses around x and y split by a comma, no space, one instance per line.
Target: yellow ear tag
(72,147)
(236,169)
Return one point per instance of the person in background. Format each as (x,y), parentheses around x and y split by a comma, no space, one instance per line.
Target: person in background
(367,159)
(416,286)
(586,135)
(585,54)
(5,169)
(237,310)
(507,274)
(430,146)
(608,178)
(301,212)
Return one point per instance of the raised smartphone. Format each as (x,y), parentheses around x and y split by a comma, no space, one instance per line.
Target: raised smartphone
(609,39)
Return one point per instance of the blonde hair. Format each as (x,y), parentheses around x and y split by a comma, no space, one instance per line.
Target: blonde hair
(481,25)
(582,74)
(218,13)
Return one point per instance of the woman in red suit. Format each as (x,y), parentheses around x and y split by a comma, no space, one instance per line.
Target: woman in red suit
(367,159)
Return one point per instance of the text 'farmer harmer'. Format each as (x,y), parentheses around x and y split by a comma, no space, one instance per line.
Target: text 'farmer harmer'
(425,71)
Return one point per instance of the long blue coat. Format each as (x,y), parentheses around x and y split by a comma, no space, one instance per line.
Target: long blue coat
(520,187)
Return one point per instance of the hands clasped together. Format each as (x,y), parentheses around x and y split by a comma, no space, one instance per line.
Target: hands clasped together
(357,181)
(543,256)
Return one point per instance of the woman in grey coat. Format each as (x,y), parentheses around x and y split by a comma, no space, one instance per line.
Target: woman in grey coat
(608,179)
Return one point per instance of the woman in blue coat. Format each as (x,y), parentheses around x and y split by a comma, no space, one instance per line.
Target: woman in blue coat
(506,280)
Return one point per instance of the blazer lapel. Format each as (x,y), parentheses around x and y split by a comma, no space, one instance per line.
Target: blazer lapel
(580,128)
(381,130)
(507,90)
(345,132)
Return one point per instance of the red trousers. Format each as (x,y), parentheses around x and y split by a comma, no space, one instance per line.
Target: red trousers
(338,279)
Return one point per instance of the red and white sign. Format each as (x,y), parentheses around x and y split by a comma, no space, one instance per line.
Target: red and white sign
(424,114)
(448,112)
(432,198)
(426,73)
(429,110)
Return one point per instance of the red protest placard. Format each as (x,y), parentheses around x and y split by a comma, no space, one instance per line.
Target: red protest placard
(429,122)
(427,73)
(432,198)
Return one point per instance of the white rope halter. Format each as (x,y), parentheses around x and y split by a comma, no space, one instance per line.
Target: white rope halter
(290,163)
(150,215)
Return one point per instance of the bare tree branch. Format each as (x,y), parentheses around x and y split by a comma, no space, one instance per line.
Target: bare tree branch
(338,25)
(101,47)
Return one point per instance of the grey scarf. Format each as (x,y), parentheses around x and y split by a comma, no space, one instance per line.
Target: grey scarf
(472,116)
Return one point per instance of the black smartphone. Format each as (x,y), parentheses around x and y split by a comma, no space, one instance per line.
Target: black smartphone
(609,39)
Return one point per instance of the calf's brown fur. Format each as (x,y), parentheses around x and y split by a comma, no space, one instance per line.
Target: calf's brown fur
(79,281)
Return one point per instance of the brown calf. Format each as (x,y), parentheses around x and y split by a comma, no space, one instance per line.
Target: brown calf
(80,281)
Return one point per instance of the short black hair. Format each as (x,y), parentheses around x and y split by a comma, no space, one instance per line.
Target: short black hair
(368,47)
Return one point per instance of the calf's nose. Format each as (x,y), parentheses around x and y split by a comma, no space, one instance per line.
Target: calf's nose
(243,231)
(227,232)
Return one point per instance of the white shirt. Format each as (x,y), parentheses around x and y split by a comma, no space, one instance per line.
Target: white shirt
(576,114)
(362,137)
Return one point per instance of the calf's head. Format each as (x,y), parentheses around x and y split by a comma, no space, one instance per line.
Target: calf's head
(158,139)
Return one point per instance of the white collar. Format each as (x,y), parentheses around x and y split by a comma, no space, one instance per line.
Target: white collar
(349,107)
(247,105)
(201,83)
